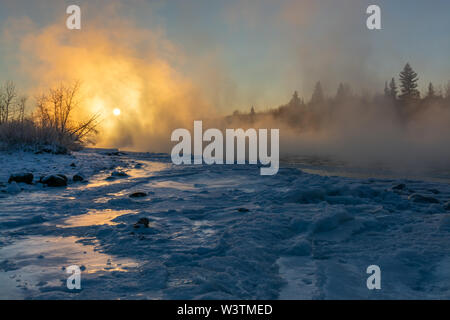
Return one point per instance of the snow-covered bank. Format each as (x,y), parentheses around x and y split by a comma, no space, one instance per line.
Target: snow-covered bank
(83,163)
(220,232)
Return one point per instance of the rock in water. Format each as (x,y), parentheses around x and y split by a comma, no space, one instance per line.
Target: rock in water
(400,186)
(142,222)
(422,199)
(138,195)
(57,180)
(78,178)
(118,173)
(21,178)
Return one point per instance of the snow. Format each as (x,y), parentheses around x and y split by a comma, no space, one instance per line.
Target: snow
(303,235)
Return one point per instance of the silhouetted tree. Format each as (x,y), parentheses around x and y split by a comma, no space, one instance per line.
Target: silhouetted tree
(393,89)
(408,84)
(295,100)
(431,94)
(8,94)
(317,96)
(343,92)
(54,110)
(21,108)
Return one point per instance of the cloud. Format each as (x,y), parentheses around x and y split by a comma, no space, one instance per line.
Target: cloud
(120,66)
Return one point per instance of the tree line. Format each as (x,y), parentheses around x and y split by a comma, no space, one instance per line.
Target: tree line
(405,100)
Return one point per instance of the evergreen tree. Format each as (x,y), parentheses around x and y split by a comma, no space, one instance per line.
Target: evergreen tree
(393,89)
(408,84)
(252,111)
(317,96)
(431,94)
(295,100)
(343,92)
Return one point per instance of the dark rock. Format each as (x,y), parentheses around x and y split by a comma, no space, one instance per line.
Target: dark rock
(78,178)
(73,165)
(22,178)
(142,222)
(52,149)
(138,195)
(434,191)
(447,206)
(118,173)
(243,210)
(56,180)
(401,186)
(115,153)
(422,199)
(60,150)
(44,150)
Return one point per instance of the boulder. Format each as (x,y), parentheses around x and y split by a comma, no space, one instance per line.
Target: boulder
(119,174)
(78,178)
(399,187)
(144,222)
(52,149)
(55,180)
(434,191)
(21,178)
(138,195)
(422,199)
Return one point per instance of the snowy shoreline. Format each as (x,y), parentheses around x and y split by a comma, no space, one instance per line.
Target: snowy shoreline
(225,232)
(84,163)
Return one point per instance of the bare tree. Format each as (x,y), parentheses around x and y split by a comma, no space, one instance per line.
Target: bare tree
(55,110)
(21,105)
(7,96)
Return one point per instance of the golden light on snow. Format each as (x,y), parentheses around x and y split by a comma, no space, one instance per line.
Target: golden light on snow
(116,112)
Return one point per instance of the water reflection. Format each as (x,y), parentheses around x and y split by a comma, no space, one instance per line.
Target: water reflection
(36,262)
(143,169)
(95,218)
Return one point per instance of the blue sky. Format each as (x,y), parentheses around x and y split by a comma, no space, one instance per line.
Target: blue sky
(266,49)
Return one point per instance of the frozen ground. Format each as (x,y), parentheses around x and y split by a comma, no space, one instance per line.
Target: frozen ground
(217,232)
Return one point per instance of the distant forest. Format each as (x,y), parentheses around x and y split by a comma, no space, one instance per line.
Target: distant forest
(401,100)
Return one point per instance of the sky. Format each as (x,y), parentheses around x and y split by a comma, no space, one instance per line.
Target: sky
(253,52)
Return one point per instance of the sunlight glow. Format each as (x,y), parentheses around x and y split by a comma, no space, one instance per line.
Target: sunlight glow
(116,112)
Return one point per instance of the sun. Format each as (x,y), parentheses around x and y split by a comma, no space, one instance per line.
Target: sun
(116,112)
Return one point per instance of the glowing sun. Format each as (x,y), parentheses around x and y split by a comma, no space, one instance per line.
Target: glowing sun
(116,112)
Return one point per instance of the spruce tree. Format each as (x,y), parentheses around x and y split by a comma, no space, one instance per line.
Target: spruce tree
(408,84)
(295,101)
(393,89)
(317,96)
(343,92)
(431,92)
